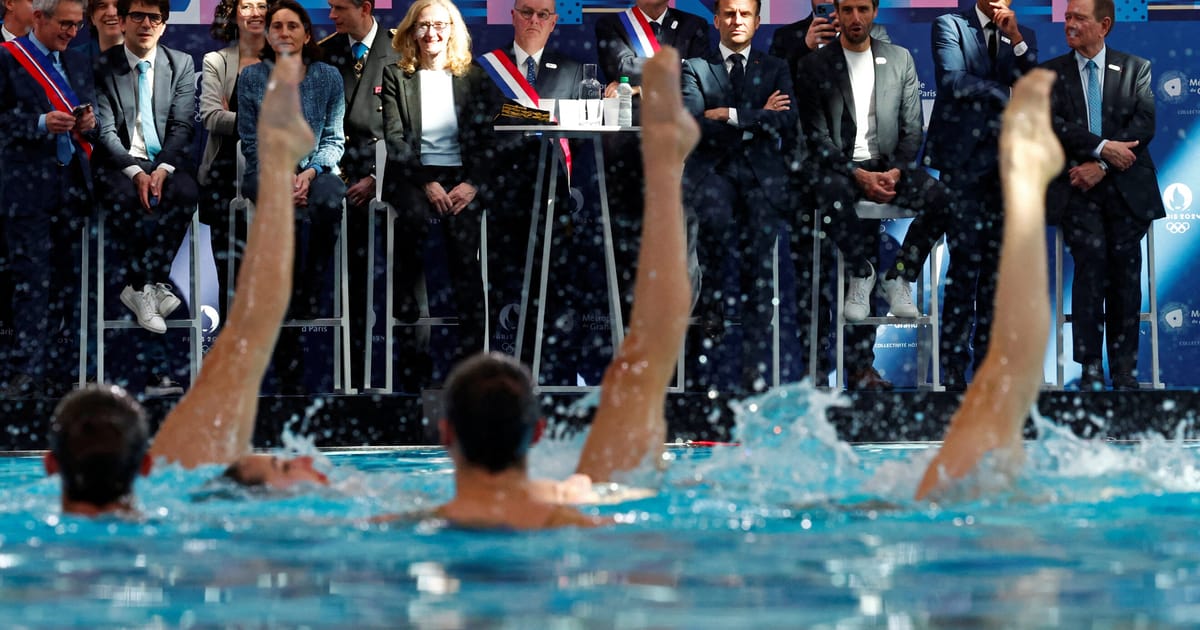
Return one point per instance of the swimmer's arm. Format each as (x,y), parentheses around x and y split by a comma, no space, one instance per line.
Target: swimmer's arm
(998,402)
(629,421)
(214,422)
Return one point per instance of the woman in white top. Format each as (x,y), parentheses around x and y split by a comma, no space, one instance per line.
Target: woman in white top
(437,114)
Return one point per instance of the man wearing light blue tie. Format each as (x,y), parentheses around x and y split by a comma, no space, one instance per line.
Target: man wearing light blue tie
(147,178)
(1104,201)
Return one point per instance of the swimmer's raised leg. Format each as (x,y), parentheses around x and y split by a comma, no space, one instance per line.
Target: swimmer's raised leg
(214,422)
(629,421)
(996,405)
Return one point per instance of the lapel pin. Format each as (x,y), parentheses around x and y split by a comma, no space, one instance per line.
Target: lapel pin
(879,61)
(1005,39)
(552,66)
(1114,67)
(674,24)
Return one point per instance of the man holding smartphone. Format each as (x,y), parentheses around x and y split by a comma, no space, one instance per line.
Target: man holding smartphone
(794,41)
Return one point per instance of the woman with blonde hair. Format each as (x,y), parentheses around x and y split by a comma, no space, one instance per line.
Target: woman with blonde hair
(437,114)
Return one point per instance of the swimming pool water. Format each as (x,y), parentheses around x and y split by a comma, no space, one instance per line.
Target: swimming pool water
(792,529)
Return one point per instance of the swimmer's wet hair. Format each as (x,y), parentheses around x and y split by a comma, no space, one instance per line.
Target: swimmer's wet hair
(490,402)
(99,434)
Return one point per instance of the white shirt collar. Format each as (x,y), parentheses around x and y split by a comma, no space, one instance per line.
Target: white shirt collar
(984,20)
(7,34)
(725,52)
(521,56)
(369,40)
(1100,58)
(133,59)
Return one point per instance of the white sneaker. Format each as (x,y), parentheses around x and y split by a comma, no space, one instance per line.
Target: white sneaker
(167,301)
(163,386)
(144,305)
(858,297)
(898,294)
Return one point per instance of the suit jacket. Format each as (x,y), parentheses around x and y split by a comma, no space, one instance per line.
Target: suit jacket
(827,107)
(706,86)
(174,108)
(476,102)
(364,107)
(218,78)
(1127,113)
(788,42)
(971,91)
(30,156)
(686,32)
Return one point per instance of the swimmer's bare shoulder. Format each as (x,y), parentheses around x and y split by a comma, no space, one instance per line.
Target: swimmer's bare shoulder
(527,517)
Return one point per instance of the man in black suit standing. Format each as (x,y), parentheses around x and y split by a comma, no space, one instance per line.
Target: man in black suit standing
(977,57)
(624,41)
(147,109)
(1107,197)
(861,113)
(736,179)
(46,130)
(528,72)
(360,50)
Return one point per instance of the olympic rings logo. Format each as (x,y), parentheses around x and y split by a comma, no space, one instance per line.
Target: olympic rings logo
(1178,227)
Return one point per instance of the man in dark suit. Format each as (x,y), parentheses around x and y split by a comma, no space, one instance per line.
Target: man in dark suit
(1104,201)
(861,113)
(978,55)
(794,42)
(46,181)
(623,53)
(147,183)
(736,179)
(360,49)
(550,75)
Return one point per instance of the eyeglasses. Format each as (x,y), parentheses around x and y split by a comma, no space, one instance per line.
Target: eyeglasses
(261,7)
(67,26)
(438,27)
(529,14)
(139,17)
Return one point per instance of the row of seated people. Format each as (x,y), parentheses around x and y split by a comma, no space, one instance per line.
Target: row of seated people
(759,145)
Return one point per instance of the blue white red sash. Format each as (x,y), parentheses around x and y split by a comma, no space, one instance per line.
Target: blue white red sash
(58,90)
(637,27)
(512,84)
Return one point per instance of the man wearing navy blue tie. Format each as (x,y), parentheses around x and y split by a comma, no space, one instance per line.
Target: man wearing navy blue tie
(46,129)
(147,179)
(1104,201)
(977,55)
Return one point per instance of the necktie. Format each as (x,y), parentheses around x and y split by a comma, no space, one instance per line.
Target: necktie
(737,74)
(64,149)
(531,71)
(146,111)
(656,28)
(992,40)
(1093,97)
(359,50)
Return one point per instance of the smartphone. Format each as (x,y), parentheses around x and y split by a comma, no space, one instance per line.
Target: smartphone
(824,10)
(81,110)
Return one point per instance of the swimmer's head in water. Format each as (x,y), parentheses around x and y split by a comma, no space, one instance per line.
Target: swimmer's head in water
(98,437)
(492,410)
(274,472)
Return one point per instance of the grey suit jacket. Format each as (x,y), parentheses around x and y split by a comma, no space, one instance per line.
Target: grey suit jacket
(174,108)
(217,80)
(364,105)
(827,106)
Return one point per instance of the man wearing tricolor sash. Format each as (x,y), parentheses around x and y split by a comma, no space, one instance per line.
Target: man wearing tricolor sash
(528,73)
(624,41)
(46,129)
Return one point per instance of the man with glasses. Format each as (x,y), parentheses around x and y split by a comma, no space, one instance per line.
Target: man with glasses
(360,50)
(528,72)
(46,130)
(147,179)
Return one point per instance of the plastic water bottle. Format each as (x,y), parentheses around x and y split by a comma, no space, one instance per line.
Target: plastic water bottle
(624,103)
(590,91)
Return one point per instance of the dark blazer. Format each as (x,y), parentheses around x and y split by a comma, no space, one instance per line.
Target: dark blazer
(971,92)
(1127,114)
(684,31)
(364,105)
(827,107)
(788,42)
(174,108)
(476,101)
(30,156)
(706,86)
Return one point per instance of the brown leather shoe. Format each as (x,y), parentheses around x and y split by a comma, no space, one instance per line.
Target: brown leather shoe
(869,379)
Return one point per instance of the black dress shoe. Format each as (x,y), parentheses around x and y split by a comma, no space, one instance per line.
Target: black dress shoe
(21,386)
(1125,381)
(869,380)
(1092,379)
